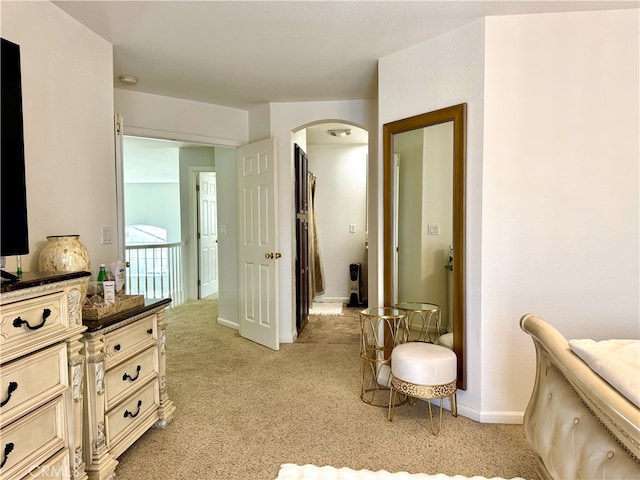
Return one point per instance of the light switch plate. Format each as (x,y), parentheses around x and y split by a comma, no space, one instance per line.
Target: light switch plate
(434,229)
(105,235)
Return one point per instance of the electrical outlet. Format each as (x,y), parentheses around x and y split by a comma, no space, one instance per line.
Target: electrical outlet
(105,235)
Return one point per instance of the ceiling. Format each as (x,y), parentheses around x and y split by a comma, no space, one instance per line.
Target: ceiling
(238,53)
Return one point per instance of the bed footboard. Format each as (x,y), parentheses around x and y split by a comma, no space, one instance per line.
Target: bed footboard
(578,425)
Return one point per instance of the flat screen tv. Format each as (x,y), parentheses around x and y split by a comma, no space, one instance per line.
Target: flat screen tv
(14,234)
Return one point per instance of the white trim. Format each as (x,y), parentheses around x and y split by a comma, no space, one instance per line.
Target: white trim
(502,417)
(181,137)
(511,418)
(118,135)
(228,323)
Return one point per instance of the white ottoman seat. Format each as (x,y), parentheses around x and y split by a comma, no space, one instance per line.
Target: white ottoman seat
(423,370)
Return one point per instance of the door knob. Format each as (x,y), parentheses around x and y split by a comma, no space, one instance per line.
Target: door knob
(268,255)
(278,255)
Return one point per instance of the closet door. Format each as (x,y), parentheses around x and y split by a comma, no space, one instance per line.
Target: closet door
(302,237)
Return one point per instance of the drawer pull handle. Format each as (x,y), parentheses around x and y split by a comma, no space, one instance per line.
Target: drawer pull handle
(8,448)
(127,413)
(13,386)
(150,331)
(126,376)
(18,322)
(117,347)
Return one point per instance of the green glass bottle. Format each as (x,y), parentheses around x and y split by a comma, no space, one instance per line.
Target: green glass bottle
(102,276)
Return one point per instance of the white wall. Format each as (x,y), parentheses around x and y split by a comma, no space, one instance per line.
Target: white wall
(226,174)
(155,204)
(67,87)
(561,192)
(340,200)
(151,185)
(448,71)
(155,116)
(286,118)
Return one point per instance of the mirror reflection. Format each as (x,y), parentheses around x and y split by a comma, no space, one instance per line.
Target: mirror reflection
(424,218)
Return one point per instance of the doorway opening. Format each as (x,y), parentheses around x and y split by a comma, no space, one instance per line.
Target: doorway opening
(158,196)
(331,215)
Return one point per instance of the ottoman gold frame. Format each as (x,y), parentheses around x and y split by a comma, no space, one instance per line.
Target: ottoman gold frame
(399,386)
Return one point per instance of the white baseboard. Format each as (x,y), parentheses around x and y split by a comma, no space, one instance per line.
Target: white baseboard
(515,418)
(512,418)
(228,323)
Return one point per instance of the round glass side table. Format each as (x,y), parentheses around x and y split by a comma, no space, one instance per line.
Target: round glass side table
(422,323)
(379,334)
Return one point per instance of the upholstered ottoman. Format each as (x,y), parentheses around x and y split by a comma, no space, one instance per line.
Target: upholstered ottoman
(424,370)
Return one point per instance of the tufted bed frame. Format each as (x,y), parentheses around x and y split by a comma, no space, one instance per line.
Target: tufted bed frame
(579,426)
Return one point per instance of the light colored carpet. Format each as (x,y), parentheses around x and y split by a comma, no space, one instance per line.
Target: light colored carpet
(243,410)
(339,329)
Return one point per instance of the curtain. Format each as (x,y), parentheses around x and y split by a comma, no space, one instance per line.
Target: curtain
(316,273)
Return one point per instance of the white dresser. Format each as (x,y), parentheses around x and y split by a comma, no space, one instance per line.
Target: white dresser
(125,392)
(41,377)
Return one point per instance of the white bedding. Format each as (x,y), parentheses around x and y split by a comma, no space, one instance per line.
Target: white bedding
(616,361)
(290,471)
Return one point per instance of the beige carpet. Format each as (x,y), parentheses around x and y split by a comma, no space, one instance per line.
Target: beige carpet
(242,410)
(338,329)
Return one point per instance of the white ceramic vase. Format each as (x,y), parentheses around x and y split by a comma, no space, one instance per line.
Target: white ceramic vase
(64,253)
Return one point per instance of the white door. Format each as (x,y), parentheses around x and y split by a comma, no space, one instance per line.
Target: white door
(258,255)
(208,233)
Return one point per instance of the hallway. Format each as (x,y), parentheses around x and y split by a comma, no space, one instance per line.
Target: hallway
(341,328)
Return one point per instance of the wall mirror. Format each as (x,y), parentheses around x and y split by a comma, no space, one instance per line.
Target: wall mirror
(424,217)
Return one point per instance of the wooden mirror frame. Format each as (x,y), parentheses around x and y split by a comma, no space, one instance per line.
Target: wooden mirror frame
(458,115)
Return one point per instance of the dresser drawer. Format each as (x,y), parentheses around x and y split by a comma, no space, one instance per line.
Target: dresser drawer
(131,413)
(33,439)
(121,380)
(56,468)
(121,344)
(31,324)
(32,381)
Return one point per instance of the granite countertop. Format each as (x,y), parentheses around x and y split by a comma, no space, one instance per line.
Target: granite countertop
(149,305)
(36,279)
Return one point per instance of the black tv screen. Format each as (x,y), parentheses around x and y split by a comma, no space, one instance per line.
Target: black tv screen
(14,235)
